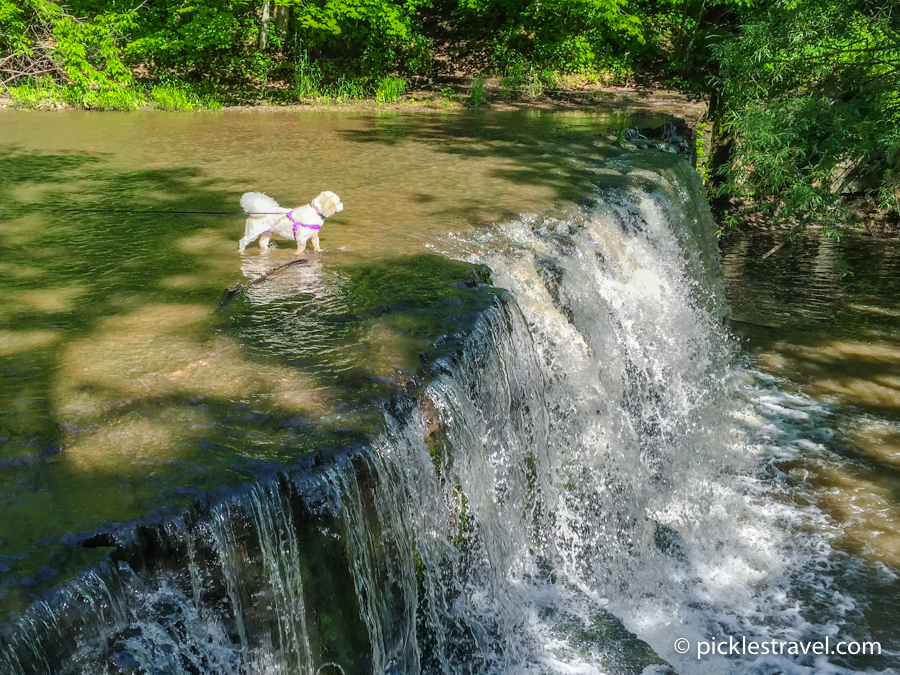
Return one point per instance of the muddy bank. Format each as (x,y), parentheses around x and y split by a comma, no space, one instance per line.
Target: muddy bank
(588,99)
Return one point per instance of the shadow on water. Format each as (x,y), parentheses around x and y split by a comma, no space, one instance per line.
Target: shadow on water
(821,316)
(122,397)
(540,151)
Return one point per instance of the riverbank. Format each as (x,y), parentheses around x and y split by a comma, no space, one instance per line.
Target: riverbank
(589,97)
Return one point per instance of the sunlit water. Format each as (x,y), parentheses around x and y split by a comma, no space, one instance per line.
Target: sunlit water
(573,475)
(119,235)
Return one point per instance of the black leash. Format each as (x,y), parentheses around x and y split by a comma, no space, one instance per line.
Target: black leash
(178,213)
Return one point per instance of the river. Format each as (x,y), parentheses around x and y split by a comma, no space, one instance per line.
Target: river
(517,417)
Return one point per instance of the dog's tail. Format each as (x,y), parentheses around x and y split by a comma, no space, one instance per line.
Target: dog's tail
(257,202)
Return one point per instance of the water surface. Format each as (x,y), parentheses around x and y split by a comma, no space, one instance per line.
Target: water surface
(123,394)
(589,442)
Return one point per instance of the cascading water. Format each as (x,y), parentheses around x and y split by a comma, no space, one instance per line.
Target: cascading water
(584,484)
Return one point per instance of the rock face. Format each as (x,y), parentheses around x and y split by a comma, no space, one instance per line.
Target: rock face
(674,136)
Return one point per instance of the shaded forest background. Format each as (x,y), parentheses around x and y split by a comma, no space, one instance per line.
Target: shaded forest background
(804,95)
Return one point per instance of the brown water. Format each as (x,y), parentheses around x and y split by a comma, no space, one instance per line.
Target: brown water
(822,317)
(124,395)
(110,271)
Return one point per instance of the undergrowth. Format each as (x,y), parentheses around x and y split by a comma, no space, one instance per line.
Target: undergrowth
(47,94)
(390,90)
(168,97)
(477,93)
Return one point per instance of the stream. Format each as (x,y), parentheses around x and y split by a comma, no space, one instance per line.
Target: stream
(525,413)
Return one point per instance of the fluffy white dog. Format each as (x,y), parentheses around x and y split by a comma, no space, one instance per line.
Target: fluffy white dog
(266,218)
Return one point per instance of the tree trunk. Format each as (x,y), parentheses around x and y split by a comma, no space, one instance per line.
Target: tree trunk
(282,21)
(264,26)
(720,142)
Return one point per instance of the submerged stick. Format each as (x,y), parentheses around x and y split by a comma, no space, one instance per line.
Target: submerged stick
(794,230)
(240,288)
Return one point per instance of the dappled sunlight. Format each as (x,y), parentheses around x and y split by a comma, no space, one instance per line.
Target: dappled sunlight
(865,502)
(16,342)
(167,350)
(845,372)
(147,437)
(43,301)
(211,244)
(19,272)
(22,231)
(878,439)
(821,316)
(385,351)
(214,254)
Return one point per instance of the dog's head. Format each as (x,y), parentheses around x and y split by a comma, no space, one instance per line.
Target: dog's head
(327,203)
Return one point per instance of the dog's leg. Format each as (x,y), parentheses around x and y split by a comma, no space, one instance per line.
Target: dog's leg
(301,243)
(315,243)
(264,242)
(249,235)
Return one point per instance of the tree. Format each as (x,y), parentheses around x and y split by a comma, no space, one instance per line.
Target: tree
(810,94)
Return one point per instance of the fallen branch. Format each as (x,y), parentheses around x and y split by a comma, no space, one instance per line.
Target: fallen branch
(790,235)
(231,292)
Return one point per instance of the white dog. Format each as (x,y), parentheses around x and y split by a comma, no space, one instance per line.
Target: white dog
(302,224)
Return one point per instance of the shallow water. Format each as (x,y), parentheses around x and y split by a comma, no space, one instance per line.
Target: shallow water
(590,444)
(821,316)
(819,324)
(111,269)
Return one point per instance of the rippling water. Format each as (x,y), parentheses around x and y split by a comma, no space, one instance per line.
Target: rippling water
(118,236)
(577,471)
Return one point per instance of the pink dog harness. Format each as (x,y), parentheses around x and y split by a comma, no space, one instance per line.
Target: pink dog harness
(290,216)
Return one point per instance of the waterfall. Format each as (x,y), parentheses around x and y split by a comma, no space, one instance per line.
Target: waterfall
(574,491)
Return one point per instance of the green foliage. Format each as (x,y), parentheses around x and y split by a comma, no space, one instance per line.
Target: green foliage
(347,89)
(390,90)
(125,98)
(14,23)
(38,37)
(91,51)
(47,94)
(562,34)
(208,40)
(175,98)
(700,152)
(521,80)
(307,78)
(35,95)
(477,95)
(811,100)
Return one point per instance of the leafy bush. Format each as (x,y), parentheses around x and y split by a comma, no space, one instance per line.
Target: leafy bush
(390,89)
(39,37)
(174,98)
(123,99)
(477,95)
(562,34)
(521,80)
(811,103)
